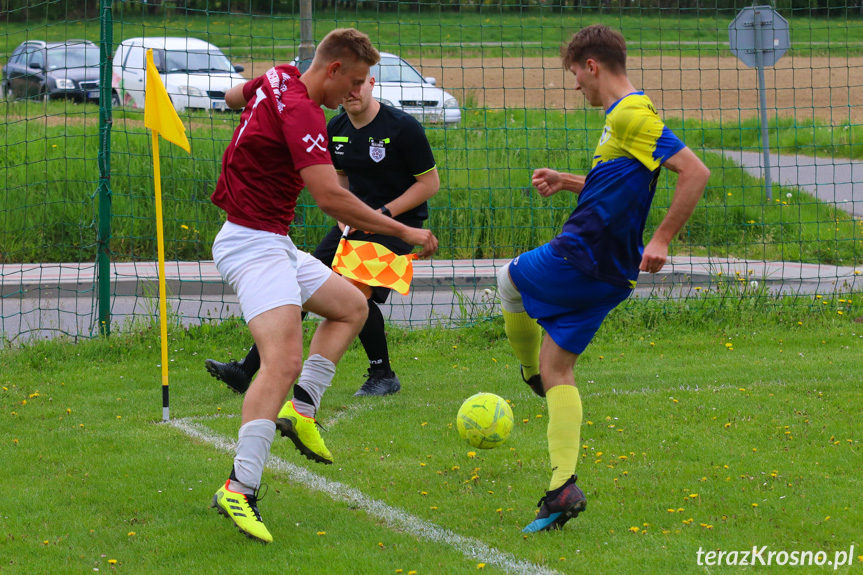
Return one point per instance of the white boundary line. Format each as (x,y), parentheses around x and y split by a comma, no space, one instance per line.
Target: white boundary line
(393,517)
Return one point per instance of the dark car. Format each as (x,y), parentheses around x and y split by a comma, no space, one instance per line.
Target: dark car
(39,69)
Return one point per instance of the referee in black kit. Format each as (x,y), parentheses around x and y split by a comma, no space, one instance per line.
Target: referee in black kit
(383,156)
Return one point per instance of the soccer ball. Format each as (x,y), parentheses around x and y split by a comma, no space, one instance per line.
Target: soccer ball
(484,420)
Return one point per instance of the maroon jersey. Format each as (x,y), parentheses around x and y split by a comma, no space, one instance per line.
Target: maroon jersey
(281,132)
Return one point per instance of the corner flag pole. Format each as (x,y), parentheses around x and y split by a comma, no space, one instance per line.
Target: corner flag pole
(161,117)
(160,242)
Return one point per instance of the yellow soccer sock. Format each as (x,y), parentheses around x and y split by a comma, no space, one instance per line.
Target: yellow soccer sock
(525,337)
(564,432)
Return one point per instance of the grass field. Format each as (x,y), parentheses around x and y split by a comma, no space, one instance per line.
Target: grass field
(435,32)
(485,207)
(720,428)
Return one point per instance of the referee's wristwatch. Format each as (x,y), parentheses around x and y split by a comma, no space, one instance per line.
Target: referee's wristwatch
(385,211)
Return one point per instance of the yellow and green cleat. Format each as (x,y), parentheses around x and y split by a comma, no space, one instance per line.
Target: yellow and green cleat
(303,431)
(243,511)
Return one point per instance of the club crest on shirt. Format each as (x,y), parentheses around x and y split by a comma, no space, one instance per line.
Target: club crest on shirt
(377,149)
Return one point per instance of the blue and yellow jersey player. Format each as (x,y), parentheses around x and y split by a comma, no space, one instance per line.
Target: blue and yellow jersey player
(569,285)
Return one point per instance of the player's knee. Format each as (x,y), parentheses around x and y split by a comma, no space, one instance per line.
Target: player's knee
(284,370)
(510,297)
(357,309)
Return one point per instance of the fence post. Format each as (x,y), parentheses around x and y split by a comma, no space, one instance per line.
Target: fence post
(307,35)
(103,256)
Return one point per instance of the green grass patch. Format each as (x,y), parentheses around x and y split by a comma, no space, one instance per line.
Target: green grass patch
(691,419)
(485,208)
(435,30)
(842,139)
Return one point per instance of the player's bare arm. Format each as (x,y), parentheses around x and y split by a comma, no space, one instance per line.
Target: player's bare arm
(548,182)
(234,98)
(343,182)
(692,176)
(323,184)
(426,186)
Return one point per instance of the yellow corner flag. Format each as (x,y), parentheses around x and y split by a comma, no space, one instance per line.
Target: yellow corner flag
(161,117)
(373,264)
(159,114)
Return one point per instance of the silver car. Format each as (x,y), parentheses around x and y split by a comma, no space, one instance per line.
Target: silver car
(398,84)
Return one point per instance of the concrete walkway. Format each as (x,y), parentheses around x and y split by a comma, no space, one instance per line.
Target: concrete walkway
(39,301)
(835,180)
(197,278)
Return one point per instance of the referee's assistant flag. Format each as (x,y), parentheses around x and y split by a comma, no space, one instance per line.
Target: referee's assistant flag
(373,264)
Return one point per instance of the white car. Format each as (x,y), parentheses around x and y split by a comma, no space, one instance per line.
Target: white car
(398,84)
(196,74)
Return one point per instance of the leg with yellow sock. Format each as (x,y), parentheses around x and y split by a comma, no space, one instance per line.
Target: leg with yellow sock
(563,500)
(522,331)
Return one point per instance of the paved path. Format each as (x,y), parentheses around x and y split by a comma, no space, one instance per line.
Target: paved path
(39,301)
(834,180)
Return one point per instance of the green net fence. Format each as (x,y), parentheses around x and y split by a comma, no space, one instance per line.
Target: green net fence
(77,224)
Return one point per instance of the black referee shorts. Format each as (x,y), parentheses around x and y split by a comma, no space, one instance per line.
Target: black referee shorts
(326,251)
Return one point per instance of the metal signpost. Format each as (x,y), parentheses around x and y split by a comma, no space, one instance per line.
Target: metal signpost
(759,36)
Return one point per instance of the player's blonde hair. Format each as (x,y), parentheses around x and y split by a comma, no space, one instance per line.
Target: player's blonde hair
(346,44)
(597,42)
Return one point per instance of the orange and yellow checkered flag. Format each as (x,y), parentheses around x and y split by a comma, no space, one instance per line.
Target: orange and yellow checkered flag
(373,264)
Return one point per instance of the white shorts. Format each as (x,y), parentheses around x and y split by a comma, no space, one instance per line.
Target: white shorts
(266,270)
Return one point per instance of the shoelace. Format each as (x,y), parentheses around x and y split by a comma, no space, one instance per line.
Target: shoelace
(252,500)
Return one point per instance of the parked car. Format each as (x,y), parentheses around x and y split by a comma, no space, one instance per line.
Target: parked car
(196,74)
(67,69)
(398,84)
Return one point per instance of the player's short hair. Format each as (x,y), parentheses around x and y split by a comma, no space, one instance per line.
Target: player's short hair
(347,44)
(598,42)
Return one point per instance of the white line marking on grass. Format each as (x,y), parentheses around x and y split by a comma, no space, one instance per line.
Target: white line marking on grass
(352,410)
(682,388)
(394,517)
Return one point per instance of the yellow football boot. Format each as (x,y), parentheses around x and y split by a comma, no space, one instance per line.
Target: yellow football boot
(243,511)
(303,431)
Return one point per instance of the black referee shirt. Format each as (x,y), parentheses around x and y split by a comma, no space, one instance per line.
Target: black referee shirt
(383,158)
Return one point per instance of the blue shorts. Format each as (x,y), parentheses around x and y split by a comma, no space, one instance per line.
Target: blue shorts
(568,303)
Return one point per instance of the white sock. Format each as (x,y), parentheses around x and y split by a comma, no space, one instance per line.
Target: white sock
(317,375)
(253,447)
